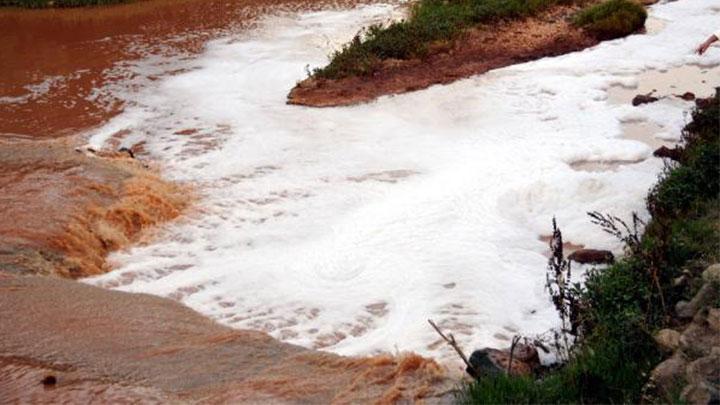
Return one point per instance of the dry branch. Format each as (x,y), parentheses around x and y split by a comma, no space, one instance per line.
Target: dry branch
(450,339)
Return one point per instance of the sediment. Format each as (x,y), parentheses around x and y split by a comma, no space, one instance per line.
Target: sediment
(102,345)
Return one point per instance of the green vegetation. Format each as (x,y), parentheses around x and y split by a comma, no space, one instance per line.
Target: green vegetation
(436,21)
(612,19)
(56,3)
(621,306)
(429,21)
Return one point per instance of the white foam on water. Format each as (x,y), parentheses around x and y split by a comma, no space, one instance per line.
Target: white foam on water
(346,228)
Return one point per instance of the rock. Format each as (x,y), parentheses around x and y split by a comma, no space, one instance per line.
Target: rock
(700,394)
(713,319)
(665,377)
(643,99)
(680,281)
(687,96)
(665,152)
(128,151)
(49,380)
(528,354)
(698,339)
(704,370)
(493,361)
(668,339)
(592,256)
(707,292)
(683,310)
(712,274)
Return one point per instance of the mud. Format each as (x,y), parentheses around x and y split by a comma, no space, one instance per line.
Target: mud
(63,209)
(476,51)
(104,345)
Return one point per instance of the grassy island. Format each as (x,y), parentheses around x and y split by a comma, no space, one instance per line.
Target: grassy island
(436,21)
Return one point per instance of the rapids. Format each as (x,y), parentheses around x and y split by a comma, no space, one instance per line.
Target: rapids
(346,228)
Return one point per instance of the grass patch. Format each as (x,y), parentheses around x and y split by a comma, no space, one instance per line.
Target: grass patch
(622,306)
(437,21)
(612,19)
(429,21)
(57,3)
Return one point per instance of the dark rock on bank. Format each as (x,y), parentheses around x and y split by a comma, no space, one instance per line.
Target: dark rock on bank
(687,96)
(665,152)
(487,361)
(592,256)
(693,368)
(643,99)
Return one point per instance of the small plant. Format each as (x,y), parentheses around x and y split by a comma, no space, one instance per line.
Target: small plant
(612,19)
(563,294)
(618,228)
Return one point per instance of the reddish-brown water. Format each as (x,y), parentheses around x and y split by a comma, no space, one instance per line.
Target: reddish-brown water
(53,61)
(62,210)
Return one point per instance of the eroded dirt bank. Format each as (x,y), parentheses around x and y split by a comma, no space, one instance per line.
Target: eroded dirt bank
(63,209)
(476,51)
(109,346)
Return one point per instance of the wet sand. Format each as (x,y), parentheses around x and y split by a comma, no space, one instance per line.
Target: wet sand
(667,86)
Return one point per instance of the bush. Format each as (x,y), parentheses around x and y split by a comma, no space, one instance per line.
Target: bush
(612,19)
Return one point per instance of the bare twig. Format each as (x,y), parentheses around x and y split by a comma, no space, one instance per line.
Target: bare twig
(515,341)
(450,339)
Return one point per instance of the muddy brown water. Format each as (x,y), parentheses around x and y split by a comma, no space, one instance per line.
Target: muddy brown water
(62,209)
(109,346)
(54,60)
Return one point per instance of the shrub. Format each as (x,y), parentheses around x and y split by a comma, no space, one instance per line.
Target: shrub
(612,19)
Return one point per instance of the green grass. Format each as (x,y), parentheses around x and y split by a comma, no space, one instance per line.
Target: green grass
(622,306)
(612,19)
(56,3)
(437,21)
(429,21)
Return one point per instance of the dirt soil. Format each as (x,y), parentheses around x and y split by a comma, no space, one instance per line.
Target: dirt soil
(109,346)
(476,51)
